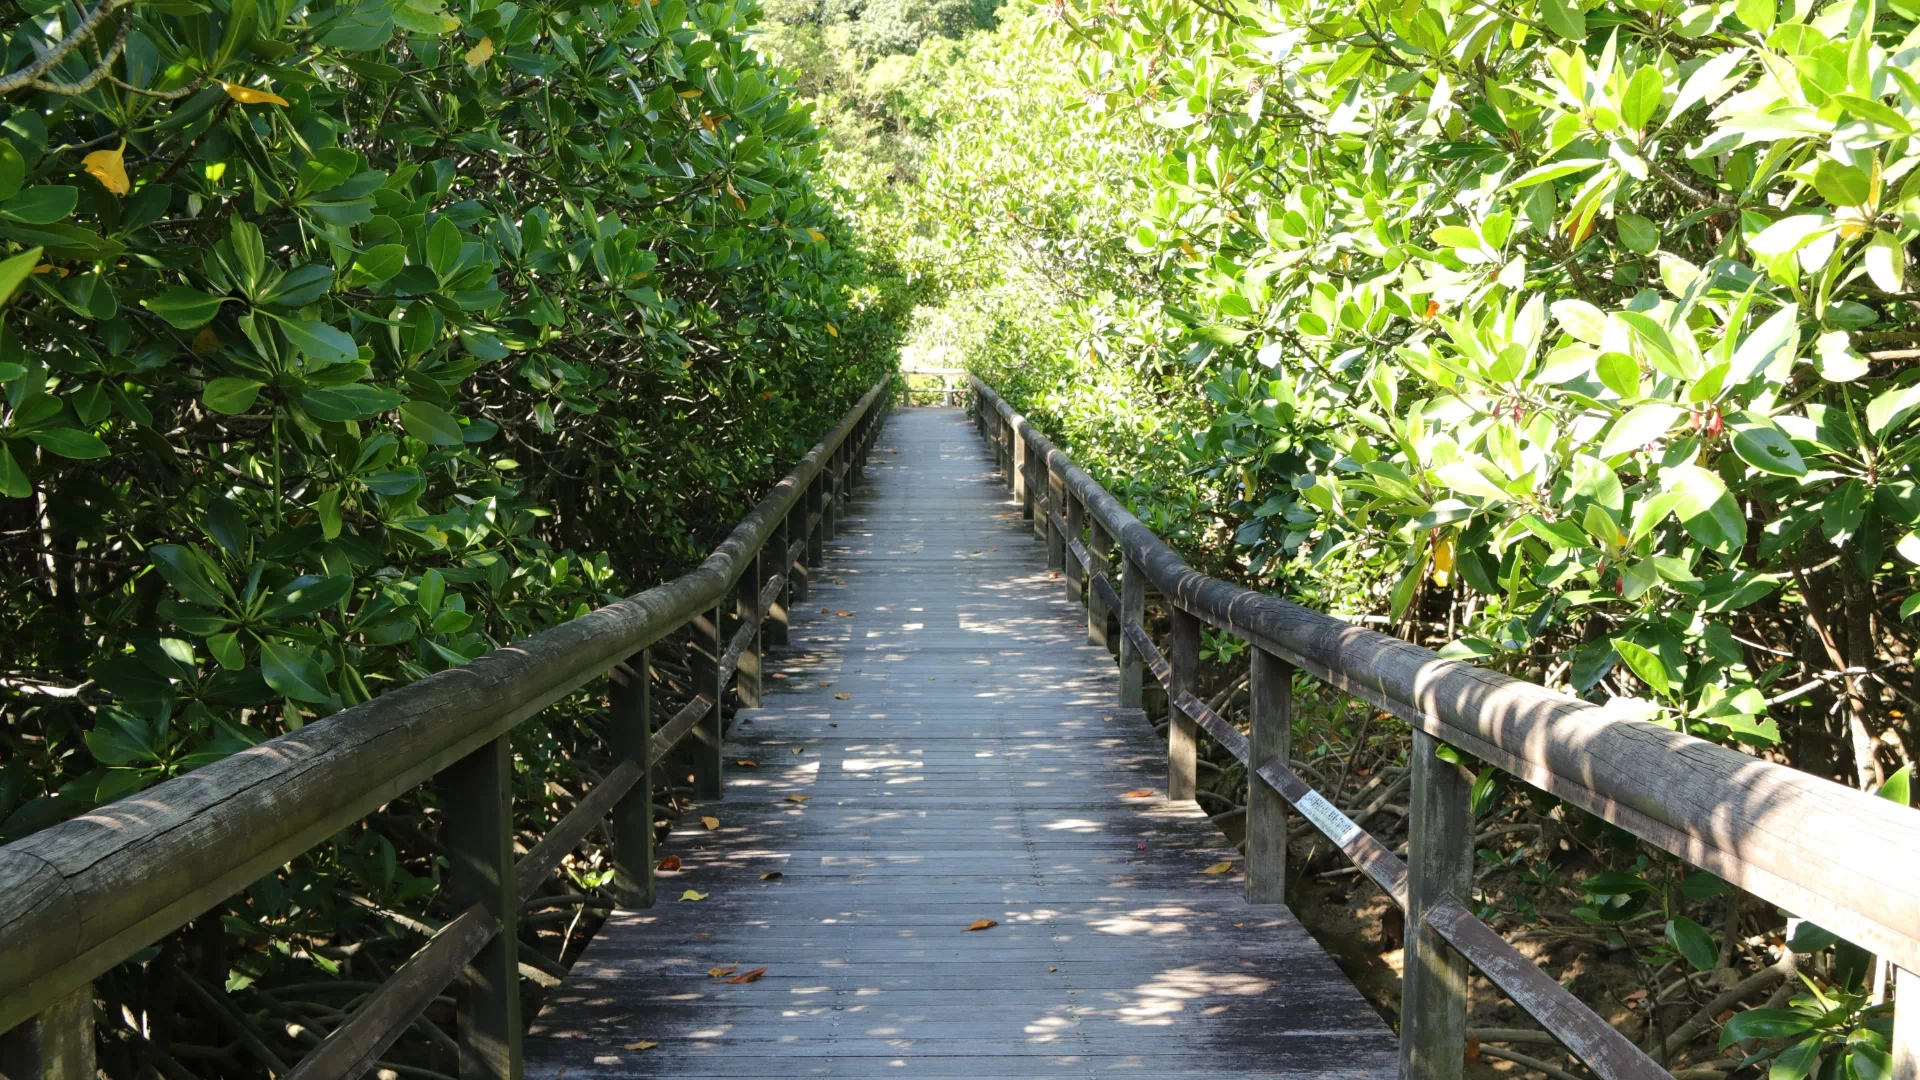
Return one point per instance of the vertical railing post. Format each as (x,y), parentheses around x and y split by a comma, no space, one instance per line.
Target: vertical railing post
(476,800)
(710,644)
(1270,697)
(1076,574)
(1183,649)
(774,560)
(1906,1025)
(630,715)
(816,516)
(1433,997)
(1099,545)
(55,1045)
(797,564)
(829,493)
(1022,490)
(1037,491)
(1056,504)
(1003,445)
(746,608)
(1133,611)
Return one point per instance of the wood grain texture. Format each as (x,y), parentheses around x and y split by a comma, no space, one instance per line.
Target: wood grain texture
(976,769)
(1763,826)
(1270,707)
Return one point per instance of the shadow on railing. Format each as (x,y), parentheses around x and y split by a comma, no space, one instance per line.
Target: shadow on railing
(82,896)
(1840,857)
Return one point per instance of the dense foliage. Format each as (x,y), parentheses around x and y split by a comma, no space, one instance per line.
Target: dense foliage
(1571,337)
(345,341)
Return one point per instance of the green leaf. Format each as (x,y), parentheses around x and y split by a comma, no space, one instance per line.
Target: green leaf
(18,269)
(1886,262)
(70,443)
(1693,942)
(1887,411)
(377,264)
(1565,18)
(1763,1024)
(1646,665)
(42,204)
(13,478)
(184,308)
(292,671)
(443,247)
(430,424)
(1757,14)
(1641,98)
(1767,448)
(1709,513)
(1843,511)
(1840,184)
(1897,787)
(189,572)
(230,396)
(227,651)
(319,341)
(1636,232)
(1640,427)
(307,594)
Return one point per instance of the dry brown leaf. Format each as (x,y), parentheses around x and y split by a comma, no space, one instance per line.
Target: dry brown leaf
(826,611)
(710,822)
(1219,868)
(747,763)
(643,1044)
(982,924)
(843,697)
(1136,794)
(671,862)
(798,798)
(830,723)
(748,976)
(721,973)
(844,614)
(772,875)
(1473,1048)
(826,682)
(779,674)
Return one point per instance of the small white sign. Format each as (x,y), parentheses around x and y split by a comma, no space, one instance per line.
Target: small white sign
(1327,818)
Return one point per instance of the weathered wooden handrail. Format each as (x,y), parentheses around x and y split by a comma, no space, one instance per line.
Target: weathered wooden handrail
(1840,857)
(953,383)
(79,897)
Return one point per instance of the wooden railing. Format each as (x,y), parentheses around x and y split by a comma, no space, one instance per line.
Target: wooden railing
(80,897)
(1839,857)
(952,388)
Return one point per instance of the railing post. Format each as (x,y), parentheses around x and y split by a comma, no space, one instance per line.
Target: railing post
(1182,732)
(1022,490)
(774,561)
(1037,492)
(797,565)
(55,1045)
(1099,544)
(1133,610)
(710,644)
(1270,694)
(630,715)
(1433,996)
(1076,574)
(829,493)
(1906,1025)
(477,803)
(1056,504)
(746,607)
(816,516)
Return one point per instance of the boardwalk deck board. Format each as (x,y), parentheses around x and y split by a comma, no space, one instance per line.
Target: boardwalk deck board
(977,769)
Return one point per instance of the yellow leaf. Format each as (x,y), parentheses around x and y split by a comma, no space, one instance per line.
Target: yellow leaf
(983,924)
(798,798)
(694,894)
(817,235)
(480,53)
(643,1044)
(689,93)
(832,329)
(770,875)
(247,95)
(110,168)
(710,822)
(1443,560)
(1218,868)
(747,763)
(843,697)
(719,972)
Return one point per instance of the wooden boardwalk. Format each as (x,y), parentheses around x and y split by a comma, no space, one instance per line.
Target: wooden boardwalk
(939,747)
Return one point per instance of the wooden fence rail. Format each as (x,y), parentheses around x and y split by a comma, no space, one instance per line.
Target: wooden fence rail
(80,897)
(1839,857)
(952,388)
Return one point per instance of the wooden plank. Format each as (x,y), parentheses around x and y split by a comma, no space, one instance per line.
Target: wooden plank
(979,769)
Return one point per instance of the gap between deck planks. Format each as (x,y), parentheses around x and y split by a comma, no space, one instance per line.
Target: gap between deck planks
(977,769)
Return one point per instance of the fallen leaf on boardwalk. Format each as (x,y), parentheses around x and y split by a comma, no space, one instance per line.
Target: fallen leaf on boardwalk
(799,749)
(779,674)
(771,875)
(983,924)
(1056,573)
(832,724)
(694,894)
(748,976)
(1136,794)
(1473,1048)
(844,614)
(721,973)
(1219,868)
(798,798)
(747,763)
(710,822)
(843,697)
(825,611)
(671,862)
(826,682)
(643,1044)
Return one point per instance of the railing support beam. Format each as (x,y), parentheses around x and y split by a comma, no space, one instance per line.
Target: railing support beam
(1183,735)
(1076,574)
(1433,997)
(1056,504)
(477,801)
(1099,545)
(631,718)
(1133,609)
(55,1045)
(1270,696)
(710,644)
(1022,490)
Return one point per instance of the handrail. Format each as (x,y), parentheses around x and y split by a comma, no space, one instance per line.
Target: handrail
(81,896)
(1840,857)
